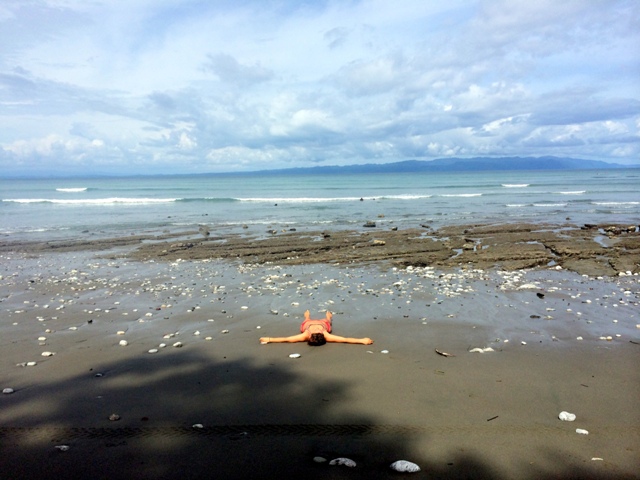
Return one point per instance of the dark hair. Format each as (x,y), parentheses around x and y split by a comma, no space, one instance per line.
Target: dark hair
(317,339)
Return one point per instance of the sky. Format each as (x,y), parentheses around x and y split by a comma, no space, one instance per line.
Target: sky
(194,86)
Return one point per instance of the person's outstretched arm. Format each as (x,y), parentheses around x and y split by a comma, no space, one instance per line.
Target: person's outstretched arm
(329,337)
(301,337)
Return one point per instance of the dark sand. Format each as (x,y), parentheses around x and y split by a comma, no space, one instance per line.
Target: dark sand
(265,415)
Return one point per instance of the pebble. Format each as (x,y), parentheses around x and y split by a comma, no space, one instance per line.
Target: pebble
(347,462)
(567,417)
(404,466)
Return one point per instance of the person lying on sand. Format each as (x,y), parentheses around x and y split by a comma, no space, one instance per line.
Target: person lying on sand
(316,333)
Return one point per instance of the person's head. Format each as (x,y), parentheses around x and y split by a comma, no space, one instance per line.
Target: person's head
(316,339)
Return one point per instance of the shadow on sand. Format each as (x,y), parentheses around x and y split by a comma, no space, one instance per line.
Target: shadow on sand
(259,422)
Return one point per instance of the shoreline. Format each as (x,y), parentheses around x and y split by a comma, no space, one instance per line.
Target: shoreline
(480,415)
(594,250)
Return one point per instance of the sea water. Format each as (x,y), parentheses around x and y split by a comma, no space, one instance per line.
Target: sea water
(51,209)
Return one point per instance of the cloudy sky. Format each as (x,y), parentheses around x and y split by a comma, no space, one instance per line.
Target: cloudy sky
(180,86)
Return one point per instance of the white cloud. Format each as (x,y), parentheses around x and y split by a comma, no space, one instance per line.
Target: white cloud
(243,85)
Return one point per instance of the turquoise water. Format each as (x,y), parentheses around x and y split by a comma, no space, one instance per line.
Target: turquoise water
(65,208)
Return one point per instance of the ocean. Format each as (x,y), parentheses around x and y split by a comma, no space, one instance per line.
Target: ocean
(56,209)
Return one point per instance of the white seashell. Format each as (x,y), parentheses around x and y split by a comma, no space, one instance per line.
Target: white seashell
(244,308)
(42,339)
(581,431)
(177,344)
(162,345)
(319,459)
(523,343)
(62,448)
(347,462)
(567,417)
(47,354)
(123,343)
(225,331)
(31,364)
(597,459)
(295,355)
(208,338)
(120,332)
(197,332)
(384,351)
(405,466)
(481,350)
(197,425)
(153,350)
(8,390)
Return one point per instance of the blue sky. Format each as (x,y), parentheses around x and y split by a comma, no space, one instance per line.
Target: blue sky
(190,86)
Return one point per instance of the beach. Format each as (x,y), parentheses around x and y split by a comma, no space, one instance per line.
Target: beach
(153,366)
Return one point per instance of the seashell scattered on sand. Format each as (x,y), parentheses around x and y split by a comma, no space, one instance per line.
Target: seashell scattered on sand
(295,355)
(347,462)
(444,354)
(153,350)
(197,425)
(481,350)
(405,466)
(224,331)
(114,417)
(384,351)
(567,417)
(47,354)
(8,390)
(177,344)
(120,332)
(62,448)
(31,364)
(319,459)
(123,343)
(42,339)
(581,431)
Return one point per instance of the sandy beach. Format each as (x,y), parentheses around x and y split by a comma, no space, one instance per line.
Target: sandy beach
(138,357)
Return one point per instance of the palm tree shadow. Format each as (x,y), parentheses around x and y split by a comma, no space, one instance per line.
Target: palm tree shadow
(182,414)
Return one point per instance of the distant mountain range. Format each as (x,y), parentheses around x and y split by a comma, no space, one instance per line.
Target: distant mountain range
(475,164)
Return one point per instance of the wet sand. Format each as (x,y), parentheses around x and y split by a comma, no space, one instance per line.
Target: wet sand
(550,301)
